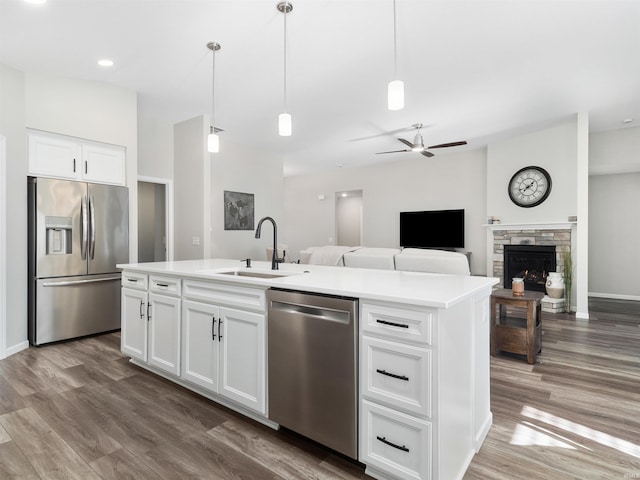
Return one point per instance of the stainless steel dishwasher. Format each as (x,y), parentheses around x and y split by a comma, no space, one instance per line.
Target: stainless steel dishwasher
(313,367)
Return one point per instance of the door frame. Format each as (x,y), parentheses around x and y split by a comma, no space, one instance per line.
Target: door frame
(3,249)
(168,209)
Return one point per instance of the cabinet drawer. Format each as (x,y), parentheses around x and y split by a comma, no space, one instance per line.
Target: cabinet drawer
(395,443)
(226,295)
(134,280)
(400,323)
(397,374)
(165,285)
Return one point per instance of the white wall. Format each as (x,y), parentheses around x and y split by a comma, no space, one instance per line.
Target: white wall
(555,150)
(12,126)
(93,111)
(155,147)
(446,181)
(192,184)
(614,219)
(237,168)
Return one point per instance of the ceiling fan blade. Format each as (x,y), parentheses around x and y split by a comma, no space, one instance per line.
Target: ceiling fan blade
(426,154)
(393,151)
(406,142)
(452,144)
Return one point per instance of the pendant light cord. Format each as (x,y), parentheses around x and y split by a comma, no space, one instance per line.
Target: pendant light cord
(285,62)
(213,90)
(395,48)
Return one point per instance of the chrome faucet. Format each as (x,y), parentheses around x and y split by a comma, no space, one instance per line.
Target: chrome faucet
(274,258)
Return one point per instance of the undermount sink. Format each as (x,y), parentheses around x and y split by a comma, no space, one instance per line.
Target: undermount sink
(251,273)
(247,273)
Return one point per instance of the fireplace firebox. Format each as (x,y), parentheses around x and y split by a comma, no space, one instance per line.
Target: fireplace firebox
(530,262)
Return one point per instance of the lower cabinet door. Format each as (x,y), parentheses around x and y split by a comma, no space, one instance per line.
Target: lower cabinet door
(133,333)
(242,358)
(164,333)
(200,325)
(395,443)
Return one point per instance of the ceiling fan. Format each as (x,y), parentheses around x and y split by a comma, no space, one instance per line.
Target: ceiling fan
(418,143)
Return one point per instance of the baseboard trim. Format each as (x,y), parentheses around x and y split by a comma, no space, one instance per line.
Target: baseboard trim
(615,296)
(16,348)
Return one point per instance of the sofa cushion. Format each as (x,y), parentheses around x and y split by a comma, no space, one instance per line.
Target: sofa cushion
(432,261)
(367,257)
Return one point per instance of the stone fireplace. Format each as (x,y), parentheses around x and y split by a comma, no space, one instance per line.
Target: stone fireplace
(553,240)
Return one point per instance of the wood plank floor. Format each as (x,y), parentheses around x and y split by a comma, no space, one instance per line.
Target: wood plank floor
(79,410)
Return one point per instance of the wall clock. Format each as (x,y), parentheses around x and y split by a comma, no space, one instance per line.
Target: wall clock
(529,186)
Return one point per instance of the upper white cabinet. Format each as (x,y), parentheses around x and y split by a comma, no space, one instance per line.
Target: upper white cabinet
(69,158)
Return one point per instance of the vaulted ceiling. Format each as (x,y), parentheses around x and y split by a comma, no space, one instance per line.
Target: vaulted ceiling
(473,70)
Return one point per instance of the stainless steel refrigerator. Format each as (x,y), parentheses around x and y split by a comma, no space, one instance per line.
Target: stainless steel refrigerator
(78,232)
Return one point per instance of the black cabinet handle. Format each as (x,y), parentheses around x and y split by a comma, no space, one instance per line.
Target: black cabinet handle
(148,312)
(134,280)
(219,336)
(165,285)
(392,375)
(74,165)
(85,167)
(141,309)
(213,328)
(386,322)
(391,444)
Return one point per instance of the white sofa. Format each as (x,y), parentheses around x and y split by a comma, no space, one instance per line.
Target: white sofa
(407,259)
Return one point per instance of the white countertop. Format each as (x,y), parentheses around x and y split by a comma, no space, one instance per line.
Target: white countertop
(424,289)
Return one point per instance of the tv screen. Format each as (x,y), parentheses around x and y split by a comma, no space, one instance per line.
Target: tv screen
(432,229)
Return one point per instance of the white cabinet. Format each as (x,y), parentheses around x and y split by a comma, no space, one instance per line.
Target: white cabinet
(103,164)
(223,348)
(396,390)
(200,345)
(150,327)
(134,323)
(242,358)
(73,159)
(208,335)
(164,332)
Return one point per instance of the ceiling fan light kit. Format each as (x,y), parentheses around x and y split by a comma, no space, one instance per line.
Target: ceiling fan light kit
(213,142)
(418,143)
(285,126)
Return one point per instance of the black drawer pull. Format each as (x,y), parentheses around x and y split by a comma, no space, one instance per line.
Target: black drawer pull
(134,280)
(391,444)
(385,322)
(213,328)
(392,375)
(165,285)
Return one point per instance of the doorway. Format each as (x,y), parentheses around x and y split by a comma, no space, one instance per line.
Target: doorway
(154,220)
(349,218)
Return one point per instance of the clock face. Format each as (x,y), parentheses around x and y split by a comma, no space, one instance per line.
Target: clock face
(529,186)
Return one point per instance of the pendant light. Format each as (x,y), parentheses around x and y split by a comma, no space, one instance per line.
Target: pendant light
(395,90)
(213,142)
(284,119)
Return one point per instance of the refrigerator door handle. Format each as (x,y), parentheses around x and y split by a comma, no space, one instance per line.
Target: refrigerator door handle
(79,282)
(83,227)
(92,223)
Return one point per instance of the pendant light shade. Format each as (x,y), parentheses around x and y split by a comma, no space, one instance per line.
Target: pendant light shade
(213,142)
(395,95)
(395,90)
(285,126)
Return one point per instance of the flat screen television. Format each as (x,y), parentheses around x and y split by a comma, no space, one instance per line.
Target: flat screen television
(443,229)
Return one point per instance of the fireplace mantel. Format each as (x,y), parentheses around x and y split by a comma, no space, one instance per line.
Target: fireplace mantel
(531,226)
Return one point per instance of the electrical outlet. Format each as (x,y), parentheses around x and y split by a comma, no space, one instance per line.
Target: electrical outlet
(195,240)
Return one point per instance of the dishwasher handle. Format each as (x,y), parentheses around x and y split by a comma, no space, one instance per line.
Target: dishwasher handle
(310,311)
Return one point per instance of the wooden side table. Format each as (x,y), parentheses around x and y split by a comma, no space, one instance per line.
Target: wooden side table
(515,334)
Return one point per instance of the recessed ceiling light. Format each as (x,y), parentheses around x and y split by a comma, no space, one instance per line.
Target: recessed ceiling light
(627,120)
(105,62)
(36,2)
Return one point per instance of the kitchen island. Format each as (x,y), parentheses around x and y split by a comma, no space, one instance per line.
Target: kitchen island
(423,342)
